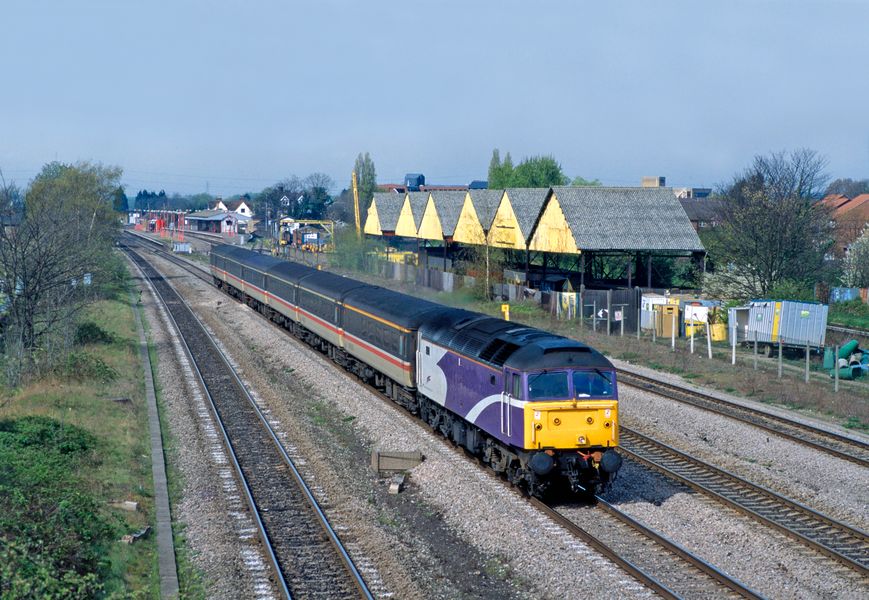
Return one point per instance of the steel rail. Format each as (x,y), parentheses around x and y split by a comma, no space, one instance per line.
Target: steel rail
(346,560)
(838,445)
(839,541)
(710,570)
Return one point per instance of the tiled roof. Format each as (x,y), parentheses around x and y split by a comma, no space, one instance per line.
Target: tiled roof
(604,218)
(388,209)
(418,201)
(527,204)
(486,203)
(449,206)
(855,210)
(834,201)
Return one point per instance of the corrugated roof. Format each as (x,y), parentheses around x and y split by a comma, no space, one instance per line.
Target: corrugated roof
(605,218)
(527,205)
(449,206)
(486,203)
(209,215)
(418,201)
(388,209)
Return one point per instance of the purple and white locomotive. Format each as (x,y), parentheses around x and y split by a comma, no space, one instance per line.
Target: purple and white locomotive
(540,408)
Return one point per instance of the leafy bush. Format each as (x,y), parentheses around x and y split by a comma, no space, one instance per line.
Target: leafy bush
(53,535)
(853,313)
(91,333)
(81,366)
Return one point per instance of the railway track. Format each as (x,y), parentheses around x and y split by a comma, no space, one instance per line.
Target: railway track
(656,561)
(841,446)
(836,540)
(307,557)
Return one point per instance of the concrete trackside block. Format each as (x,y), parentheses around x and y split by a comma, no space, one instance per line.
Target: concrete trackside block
(387,462)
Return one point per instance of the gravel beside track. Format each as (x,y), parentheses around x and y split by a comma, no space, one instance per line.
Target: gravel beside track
(831,537)
(821,439)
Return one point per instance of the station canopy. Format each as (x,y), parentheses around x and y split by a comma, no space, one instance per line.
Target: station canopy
(593,218)
(410,217)
(515,217)
(383,213)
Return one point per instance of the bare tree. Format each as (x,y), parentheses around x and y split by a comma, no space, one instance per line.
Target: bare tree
(772,232)
(53,257)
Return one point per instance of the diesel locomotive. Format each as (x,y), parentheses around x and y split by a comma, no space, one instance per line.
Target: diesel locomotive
(536,407)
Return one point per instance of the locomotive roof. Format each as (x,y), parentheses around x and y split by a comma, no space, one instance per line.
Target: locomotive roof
(329,284)
(502,343)
(392,306)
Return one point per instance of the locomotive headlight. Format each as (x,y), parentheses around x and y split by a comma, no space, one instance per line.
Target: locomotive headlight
(556,421)
(582,439)
(606,424)
(589,420)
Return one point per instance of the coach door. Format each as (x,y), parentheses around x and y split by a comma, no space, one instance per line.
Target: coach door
(512,392)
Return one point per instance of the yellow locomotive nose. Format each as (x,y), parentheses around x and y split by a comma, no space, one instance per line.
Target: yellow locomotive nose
(569,424)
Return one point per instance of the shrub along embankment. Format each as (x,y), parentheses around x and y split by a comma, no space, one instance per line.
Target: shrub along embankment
(74,456)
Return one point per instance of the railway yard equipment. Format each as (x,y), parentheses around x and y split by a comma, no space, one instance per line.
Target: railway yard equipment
(794,325)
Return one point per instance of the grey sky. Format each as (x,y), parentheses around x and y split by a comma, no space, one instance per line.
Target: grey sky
(241,94)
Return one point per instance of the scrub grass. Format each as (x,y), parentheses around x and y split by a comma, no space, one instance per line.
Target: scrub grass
(99,398)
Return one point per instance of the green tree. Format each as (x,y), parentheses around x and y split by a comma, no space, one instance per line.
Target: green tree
(500,173)
(580,181)
(538,171)
(366,180)
(772,233)
(119,200)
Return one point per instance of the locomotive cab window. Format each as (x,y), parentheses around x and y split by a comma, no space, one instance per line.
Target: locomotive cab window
(596,383)
(548,384)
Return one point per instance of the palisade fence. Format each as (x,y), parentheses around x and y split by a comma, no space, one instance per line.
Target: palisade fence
(616,312)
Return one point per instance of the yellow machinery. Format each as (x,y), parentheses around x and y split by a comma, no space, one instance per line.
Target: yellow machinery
(289,226)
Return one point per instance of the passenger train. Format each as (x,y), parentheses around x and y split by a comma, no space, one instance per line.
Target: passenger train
(536,407)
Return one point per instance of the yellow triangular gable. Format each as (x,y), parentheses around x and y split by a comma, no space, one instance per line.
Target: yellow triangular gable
(372,220)
(552,233)
(505,231)
(406,226)
(430,226)
(468,229)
